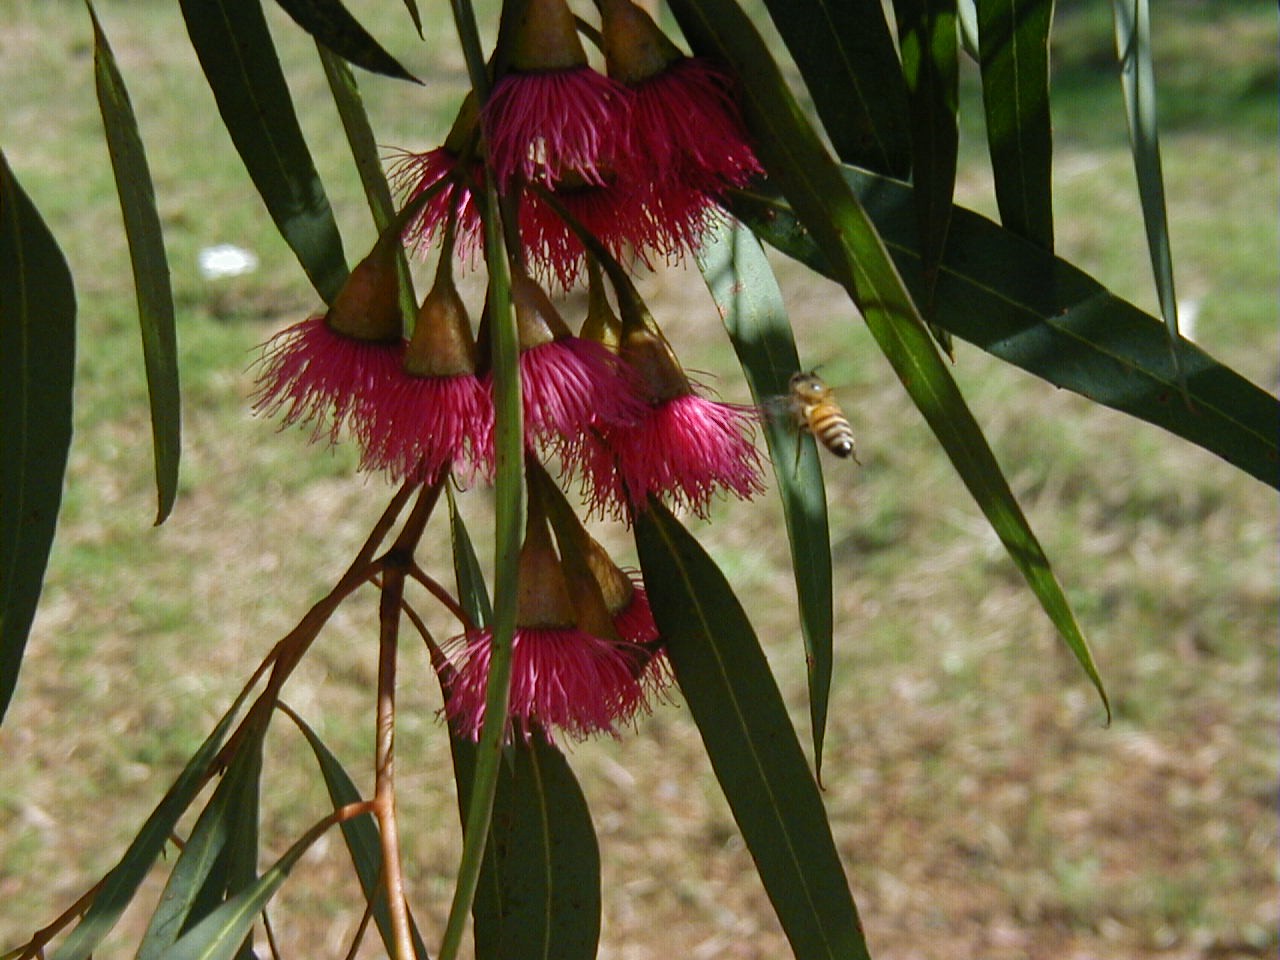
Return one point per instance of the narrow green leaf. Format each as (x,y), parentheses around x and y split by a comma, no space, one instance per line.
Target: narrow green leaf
(364,151)
(1070,330)
(240,63)
(927,39)
(200,876)
(845,54)
(332,25)
(219,935)
(472,592)
(735,702)
(796,160)
(120,885)
(37,370)
(1013,42)
(751,305)
(539,892)
(1138,80)
(150,266)
(361,836)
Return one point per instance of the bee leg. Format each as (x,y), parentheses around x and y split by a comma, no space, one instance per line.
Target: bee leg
(795,471)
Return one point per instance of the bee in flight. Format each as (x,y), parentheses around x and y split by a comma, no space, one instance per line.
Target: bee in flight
(813,405)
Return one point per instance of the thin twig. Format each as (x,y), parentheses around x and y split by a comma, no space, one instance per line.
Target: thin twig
(440,593)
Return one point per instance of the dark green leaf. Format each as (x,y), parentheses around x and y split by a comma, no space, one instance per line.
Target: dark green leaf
(1013,42)
(37,368)
(472,592)
(1138,78)
(333,26)
(239,61)
(796,160)
(150,266)
(539,892)
(927,39)
(750,303)
(199,879)
(845,54)
(361,836)
(726,682)
(1070,330)
(120,885)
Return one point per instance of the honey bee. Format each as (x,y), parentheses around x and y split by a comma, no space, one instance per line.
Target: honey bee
(813,405)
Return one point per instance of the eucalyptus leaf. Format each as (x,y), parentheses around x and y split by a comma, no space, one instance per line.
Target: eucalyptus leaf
(239,60)
(200,876)
(361,836)
(118,888)
(1013,46)
(725,679)
(797,161)
(1138,80)
(150,266)
(1069,330)
(37,371)
(332,25)
(927,40)
(845,54)
(750,303)
(219,936)
(538,896)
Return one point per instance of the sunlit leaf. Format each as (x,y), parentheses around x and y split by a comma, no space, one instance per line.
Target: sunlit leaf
(725,680)
(37,369)
(845,54)
(851,247)
(1013,45)
(1138,79)
(120,885)
(333,25)
(361,836)
(750,303)
(240,63)
(150,266)
(1071,330)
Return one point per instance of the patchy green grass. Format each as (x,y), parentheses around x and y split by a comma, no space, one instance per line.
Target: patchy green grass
(982,808)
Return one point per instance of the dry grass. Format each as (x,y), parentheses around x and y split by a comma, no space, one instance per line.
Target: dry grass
(982,808)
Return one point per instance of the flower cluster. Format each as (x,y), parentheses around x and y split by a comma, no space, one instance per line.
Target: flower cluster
(638,155)
(600,167)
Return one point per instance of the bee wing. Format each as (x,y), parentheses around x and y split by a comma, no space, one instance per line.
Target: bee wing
(779,408)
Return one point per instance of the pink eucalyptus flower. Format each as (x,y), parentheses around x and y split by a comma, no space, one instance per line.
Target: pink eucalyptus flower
(561,678)
(311,372)
(419,427)
(686,132)
(685,451)
(633,221)
(412,174)
(548,124)
(634,622)
(571,386)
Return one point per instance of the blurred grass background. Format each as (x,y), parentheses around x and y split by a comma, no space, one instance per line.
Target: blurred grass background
(982,808)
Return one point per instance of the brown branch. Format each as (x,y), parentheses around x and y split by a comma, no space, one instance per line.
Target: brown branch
(384,792)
